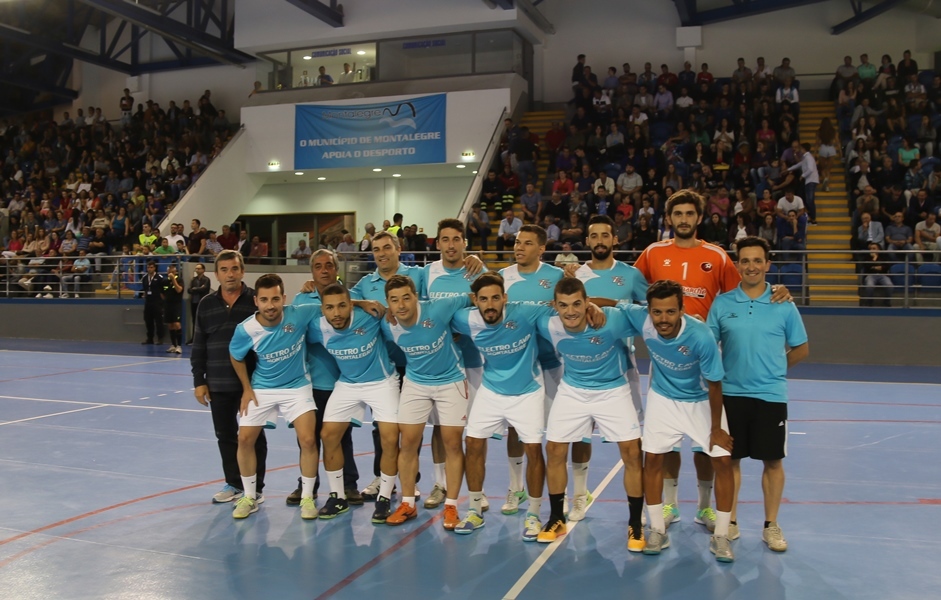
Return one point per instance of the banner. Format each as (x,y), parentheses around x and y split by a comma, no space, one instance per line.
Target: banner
(406,132)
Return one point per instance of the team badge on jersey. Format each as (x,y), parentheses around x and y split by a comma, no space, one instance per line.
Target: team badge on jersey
(359,331)
(666,262)
(427,323)
(510,325)
(684,350)
(545,283)
(618,280)
(596,340)
(288,328)
(706,266)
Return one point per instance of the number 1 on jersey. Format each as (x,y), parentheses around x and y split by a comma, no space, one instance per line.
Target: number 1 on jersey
(685,267)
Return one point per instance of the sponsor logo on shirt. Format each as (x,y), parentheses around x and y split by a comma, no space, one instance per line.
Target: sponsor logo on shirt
(288,328)
(684,350)
(618,280)
(359,331)
(698,292)
(510,325)
(545,283)
(706,267)
(427,323)
(732,316)
(596,340)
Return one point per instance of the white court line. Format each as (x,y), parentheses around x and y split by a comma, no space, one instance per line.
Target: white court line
(523,581)
(55,414)
(196,410)
(134,364)
(863,382)
(72,354)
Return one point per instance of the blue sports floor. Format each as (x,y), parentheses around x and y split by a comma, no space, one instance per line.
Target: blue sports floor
(107,465)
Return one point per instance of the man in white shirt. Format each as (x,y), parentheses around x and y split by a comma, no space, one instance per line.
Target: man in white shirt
(305,80)
(791,202)
(808,168)
(176,234)
(509,227)
(604,181)
(927,233)
(349,73)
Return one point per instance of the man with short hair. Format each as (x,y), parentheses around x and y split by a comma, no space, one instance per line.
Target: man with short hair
(172,297)
(506,235)
(199,287)
(152,288)
(215,382)
(898,236)
(279,384)
(783,72)
(927,238)
(197,239)
(845,73)
(629,182)
(530,202)
(760,342)
(871,232)
(301,253)
(808,168)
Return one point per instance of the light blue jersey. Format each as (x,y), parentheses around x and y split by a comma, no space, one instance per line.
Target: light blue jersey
(682,366)
(280,349)
(373,287)
(441,282)
(620,282)
(755,334)
(433,358)
(322,367)
(510,366)
(535,287)
(359,350)
(593,359)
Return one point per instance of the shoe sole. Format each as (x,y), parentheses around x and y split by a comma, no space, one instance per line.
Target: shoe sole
(655,552)
(774,550)
(407,518)
(328,517)
(232,499)
(722,559)
(466,531)
(313,518)
(380,521)
(253,511)
(641,549)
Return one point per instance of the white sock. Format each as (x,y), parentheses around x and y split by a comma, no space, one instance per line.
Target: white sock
(669,491)
(408,500)
(580,478)
(705,494)
(450,502)
(336,483)
(248,486)
(655,518)
(535,505)
(386,485)
(440,477)
(307,486)
(516,473)
(476,498)
(722,523)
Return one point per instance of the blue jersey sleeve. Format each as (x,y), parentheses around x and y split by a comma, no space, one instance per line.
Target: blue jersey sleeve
(534,312)
(451,306)
(794,331)
(710,360)
(639,286)
(459,322)
(241,343)
(356,292)
(636,315)
(618,322)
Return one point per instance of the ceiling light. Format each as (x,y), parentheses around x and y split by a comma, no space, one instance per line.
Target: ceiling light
(461,166)
(361,52)
(298,173)
(321,179)
(307,57)
(475,172)
(396,174)
(376,170)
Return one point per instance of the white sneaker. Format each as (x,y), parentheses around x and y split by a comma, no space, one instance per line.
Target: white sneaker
(75,295)
(226,494)
(371,491)
(63,295)
(581,504)
(179,350)
(48,296)
(39,295)
(513,500)
(484,504)
(47,288)
(773,536)
(531,527)
(108,287)
(171,349)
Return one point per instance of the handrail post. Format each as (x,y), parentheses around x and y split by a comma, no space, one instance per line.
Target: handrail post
(907,300)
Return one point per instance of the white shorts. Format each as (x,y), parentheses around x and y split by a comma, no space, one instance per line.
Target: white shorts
(551,379)
(667,421)
(474,377)
(633,379)
(348,401)
(575,410)
(289,403)
(492,412)
(826,151)
(437,404)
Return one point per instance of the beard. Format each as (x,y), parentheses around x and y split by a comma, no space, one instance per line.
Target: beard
(600,252)
(491,317)
(684,234)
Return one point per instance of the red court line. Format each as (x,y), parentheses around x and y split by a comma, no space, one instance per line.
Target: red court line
(153,372)
(380,557)
(44,375)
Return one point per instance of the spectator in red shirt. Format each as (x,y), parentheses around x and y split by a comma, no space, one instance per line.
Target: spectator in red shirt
(228,239)
(667,79)
(704,76)
(563,185)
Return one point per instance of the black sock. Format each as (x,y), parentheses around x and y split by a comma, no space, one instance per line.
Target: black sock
(175,337)
(636,507)
(767,524)
(555,507)
(733,522)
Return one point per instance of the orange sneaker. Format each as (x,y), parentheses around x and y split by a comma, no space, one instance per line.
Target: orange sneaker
(451,518)
(402,514)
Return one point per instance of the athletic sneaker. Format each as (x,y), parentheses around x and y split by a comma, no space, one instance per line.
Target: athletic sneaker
(552,531)
(371,491)
(707,517)
(470,523)
(353,497)
(383,510)
(436,498)
(171,349)
(513,500)
(484,504)
(581,504)
(226,494)
(178,350)
(244,506)
(531,527)
(670,514)
(403,513)
(451,518)
(308,509)
(294,498)
(734,533)
(334,507)
(635,539)
(722,548)
(773,536)
(656,541)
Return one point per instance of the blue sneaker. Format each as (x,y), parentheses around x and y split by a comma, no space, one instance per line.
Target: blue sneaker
(227,494)
(470,523)
(531,527)
(334,507)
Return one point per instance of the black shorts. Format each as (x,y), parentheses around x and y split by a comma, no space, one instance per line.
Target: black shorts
(758,428)
(171,315)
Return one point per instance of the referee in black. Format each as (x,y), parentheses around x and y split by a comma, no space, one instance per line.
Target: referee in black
(152,288)
(215,382)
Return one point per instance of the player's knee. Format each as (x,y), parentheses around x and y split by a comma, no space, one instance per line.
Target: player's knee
(631,452)
(533,452)
(556,452)
(307,441)
(773,465)
(722,463)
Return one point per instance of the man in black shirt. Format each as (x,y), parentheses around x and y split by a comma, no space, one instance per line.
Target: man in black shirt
(152,287)
(215,382)
(172,294)
(199,287)
(526,152)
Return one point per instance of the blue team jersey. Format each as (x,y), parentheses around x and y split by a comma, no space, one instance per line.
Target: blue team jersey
(433,358)
(593,359)
(510,366)
(682,366)
(280,349)
(373,287)
(441,282)
(620,282)
(322,367)
(359,350)
(754,335)
(535,287)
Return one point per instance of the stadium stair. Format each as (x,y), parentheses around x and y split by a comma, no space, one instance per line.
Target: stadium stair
(831,278)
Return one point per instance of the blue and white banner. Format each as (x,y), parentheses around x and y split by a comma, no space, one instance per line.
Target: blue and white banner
(406,132)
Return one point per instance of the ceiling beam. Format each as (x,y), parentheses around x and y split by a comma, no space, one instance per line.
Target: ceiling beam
(331,15)
(32,40)
(28,83)
(862,16)
(747,9)
(686,9)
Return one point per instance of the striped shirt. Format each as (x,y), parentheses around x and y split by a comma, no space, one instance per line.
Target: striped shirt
(215,325)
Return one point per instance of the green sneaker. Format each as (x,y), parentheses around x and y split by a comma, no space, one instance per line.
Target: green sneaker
(308,509)
(244,507)
(513,500)
(670,514)
(706,517)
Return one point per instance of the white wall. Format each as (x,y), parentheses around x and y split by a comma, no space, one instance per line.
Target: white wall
(471,119)
(639,31)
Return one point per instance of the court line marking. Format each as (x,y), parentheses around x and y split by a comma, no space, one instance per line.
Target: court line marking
(170,408)
(66,412)
(68,353)
(543,558)
(866,382)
